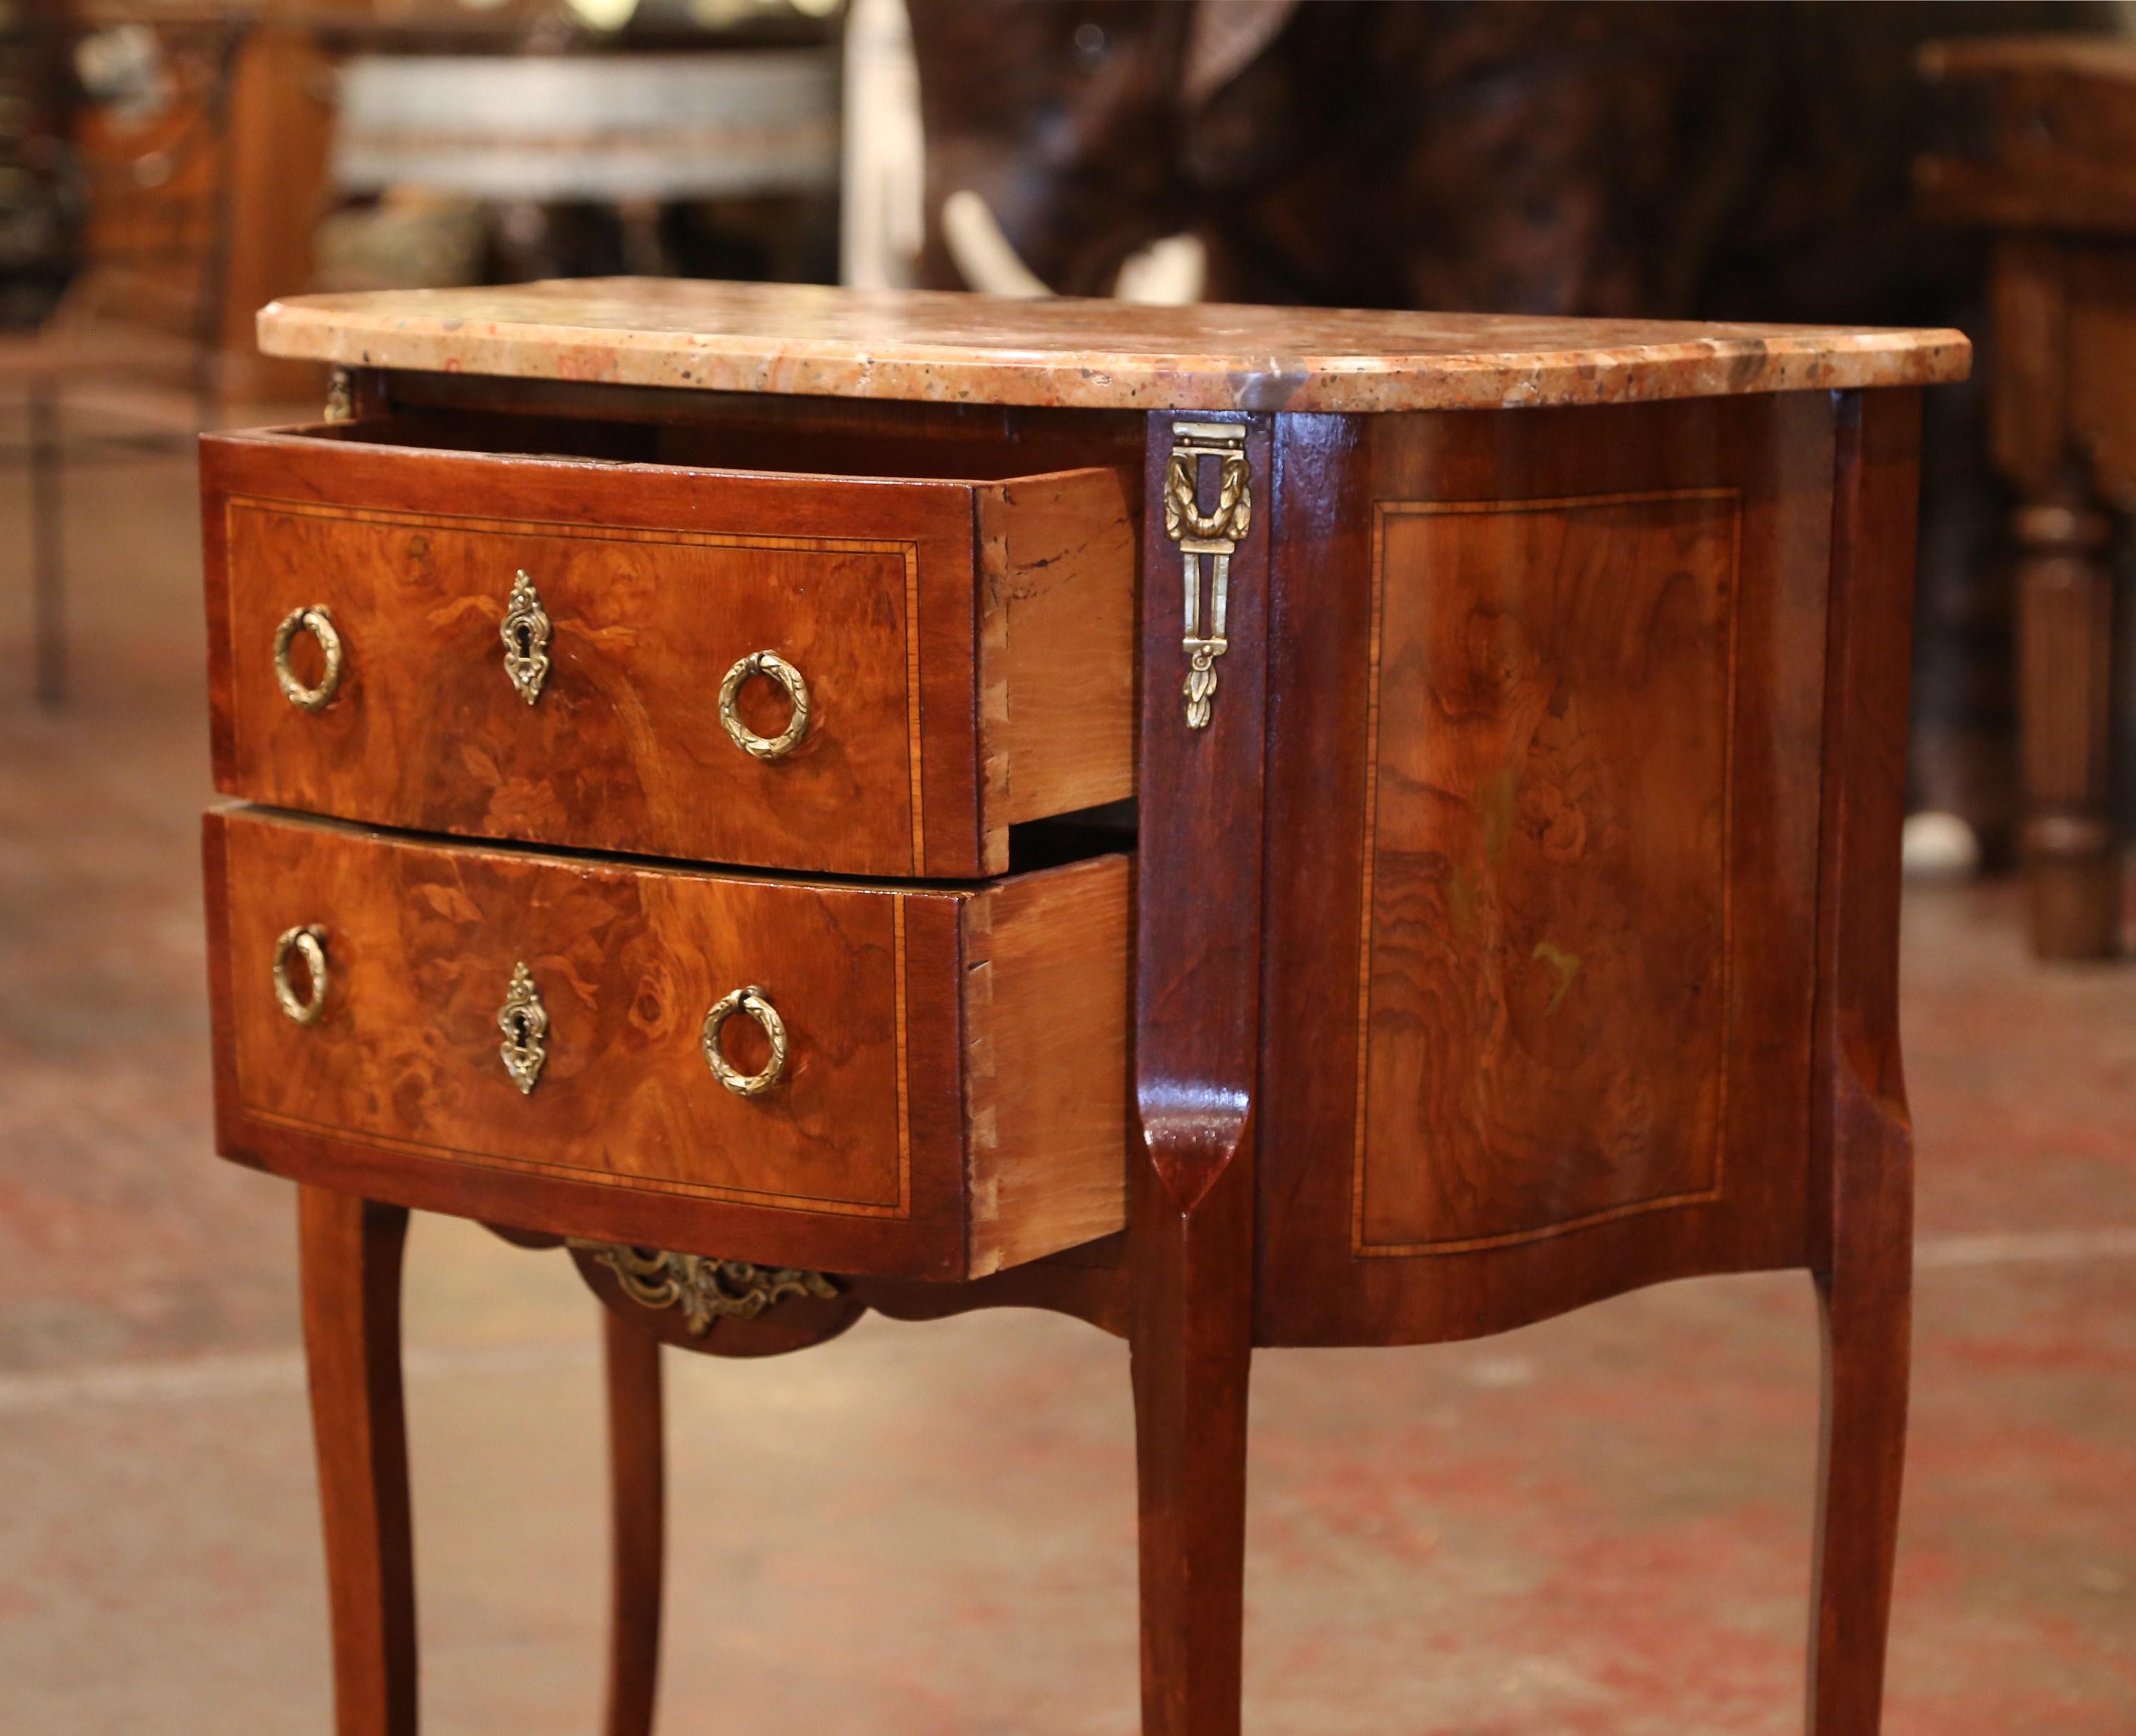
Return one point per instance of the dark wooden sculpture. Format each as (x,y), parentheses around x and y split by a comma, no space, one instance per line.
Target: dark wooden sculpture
(1734,161)
(1575,156)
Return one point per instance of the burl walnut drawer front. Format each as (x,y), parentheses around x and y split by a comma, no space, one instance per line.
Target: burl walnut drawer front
(868,1080)
(840,674)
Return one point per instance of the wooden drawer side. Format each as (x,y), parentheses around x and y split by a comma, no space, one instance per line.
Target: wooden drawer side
(1057,558)
(1048,1010)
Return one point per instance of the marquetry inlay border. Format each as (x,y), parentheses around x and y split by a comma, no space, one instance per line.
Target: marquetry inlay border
(1383,511)
(768,1199)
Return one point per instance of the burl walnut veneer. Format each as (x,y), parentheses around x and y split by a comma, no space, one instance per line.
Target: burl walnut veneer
(1505,917)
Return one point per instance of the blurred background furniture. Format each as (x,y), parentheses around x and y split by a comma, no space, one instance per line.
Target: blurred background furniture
(633,132)
(882,180)
(576,138)
(2049,170)
(33,119)
(149,163)
(171,166)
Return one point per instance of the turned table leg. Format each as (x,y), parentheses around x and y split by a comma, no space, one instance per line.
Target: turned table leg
(350,1254)
(2065,629)
(637,1506)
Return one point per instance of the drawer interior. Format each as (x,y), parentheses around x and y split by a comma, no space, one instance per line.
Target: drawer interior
(743,441)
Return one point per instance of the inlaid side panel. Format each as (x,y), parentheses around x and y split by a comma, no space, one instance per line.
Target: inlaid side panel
(1543,992)
(1544,789)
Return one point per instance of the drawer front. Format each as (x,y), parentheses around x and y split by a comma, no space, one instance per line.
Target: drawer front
(624,747)
(524,1039)
(566,653)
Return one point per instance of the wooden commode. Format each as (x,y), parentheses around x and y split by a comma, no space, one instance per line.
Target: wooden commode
(1247,826)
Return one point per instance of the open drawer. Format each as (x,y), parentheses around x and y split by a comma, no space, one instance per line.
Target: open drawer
(861,672)
(897,1081)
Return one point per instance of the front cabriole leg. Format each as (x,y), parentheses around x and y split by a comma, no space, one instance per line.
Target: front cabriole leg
(350,1255)
(1190,1201)
(1862,1202)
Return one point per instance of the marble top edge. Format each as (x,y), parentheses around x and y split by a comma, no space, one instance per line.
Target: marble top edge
(945,346)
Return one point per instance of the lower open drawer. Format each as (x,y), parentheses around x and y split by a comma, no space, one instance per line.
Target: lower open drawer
(894,1080)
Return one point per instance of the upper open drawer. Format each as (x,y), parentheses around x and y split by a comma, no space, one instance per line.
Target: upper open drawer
(871,672)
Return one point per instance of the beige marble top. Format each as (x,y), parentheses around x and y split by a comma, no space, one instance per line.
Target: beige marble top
(928,345)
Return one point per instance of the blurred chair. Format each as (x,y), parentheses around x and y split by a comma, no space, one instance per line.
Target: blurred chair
(151,169)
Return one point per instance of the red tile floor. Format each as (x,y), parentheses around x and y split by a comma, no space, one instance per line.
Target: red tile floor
(1599,1525)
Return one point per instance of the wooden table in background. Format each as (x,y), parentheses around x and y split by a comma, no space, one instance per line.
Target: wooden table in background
(1508,716)
(2052,175)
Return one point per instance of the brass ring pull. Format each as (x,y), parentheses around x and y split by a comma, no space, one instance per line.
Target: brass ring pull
(749,1001)
(775,667)
(307,941)
(319,625)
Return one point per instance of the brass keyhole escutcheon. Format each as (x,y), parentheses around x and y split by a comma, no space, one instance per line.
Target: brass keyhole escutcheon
(750,1001)
(525,1022)
(524,630)
(774,668)
(307,943)
(314,619)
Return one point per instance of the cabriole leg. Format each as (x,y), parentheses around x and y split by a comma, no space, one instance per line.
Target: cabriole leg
(637,1504)
(1191,1349)
(1190,1210)
(1866,1308)
(351,1259)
